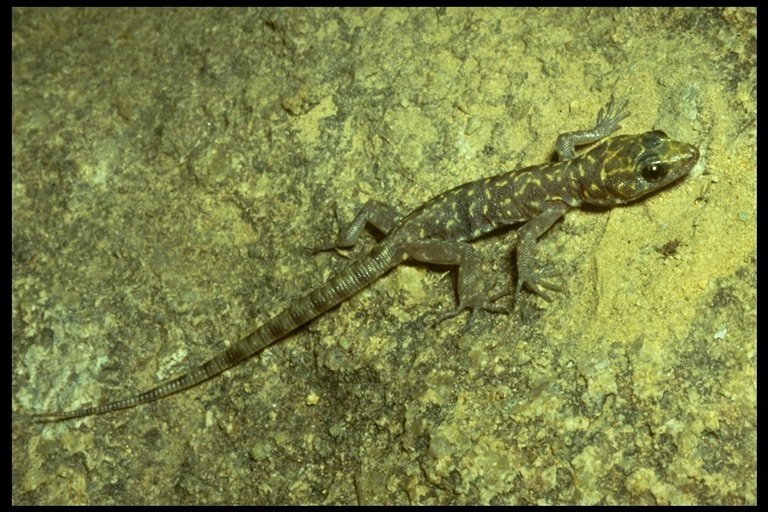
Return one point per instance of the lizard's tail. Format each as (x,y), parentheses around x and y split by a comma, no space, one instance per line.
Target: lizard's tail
(351,280)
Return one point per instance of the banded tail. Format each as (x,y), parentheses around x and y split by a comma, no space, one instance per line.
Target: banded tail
(340,287)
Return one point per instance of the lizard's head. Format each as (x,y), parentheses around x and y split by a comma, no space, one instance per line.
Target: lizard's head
(630,166)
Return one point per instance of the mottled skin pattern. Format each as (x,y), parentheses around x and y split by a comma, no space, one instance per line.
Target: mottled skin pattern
(615,172)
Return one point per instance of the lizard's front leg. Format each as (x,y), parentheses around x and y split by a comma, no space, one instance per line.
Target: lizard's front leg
(607,122)
(528,235)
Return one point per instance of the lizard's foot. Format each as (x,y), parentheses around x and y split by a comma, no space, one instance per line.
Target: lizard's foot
(609,121)
(538,282)
(474,304)
(333,246)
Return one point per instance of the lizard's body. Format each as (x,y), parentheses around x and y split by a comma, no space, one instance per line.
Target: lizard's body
(615,172)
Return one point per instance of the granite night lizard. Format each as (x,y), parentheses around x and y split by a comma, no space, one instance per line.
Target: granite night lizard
(617,171)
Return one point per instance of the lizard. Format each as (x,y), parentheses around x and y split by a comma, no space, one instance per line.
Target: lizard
(617,171)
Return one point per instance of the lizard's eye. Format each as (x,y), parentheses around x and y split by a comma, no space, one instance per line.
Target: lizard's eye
(654,172)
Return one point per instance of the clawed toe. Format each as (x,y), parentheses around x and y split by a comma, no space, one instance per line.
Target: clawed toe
(539,286)
(538,283)
(322,248)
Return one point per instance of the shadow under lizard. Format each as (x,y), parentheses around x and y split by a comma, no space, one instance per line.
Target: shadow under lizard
(617,171)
